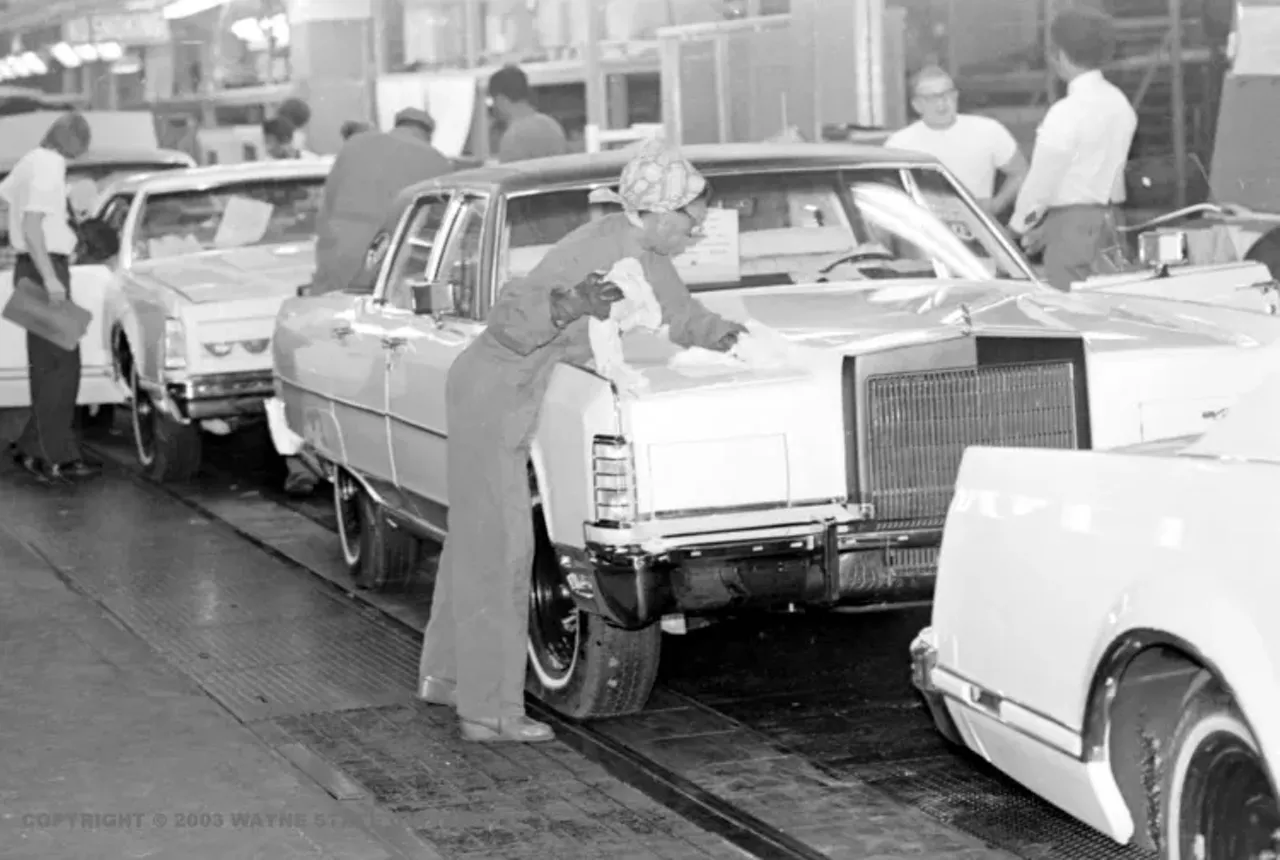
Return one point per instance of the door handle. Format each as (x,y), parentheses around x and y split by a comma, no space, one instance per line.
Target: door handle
(342,330)
(392,342)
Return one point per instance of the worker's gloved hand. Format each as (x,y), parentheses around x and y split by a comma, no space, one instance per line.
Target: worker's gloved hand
(598,295)
(594,296)
(730,338)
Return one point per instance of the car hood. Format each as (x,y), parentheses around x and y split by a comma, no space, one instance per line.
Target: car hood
(851,318)
(271,271)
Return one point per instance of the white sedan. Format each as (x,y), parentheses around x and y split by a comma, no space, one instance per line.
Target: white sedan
(90,280)
(1103,631)
(206,258)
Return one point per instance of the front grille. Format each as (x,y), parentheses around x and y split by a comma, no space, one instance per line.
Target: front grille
(919,424)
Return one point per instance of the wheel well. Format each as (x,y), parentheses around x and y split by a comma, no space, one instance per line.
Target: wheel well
(122,354)
(1142,718)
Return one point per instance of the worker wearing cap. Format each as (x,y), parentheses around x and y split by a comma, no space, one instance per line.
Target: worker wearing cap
(974,148)
(367,174)
(474,647)
(528,133)
(1067,202)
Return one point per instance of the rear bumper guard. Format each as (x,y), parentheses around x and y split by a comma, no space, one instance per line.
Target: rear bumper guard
(924,659)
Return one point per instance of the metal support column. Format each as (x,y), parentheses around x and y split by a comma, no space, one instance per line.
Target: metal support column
(472,32)
(1178,96)
(597,101)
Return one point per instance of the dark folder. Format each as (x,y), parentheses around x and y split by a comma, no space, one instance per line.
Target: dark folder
(61,323)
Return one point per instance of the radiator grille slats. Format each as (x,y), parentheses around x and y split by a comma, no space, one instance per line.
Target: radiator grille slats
(919,424)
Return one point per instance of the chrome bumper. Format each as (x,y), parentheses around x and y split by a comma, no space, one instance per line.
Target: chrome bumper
(700,570)
(221,395)
(924,659)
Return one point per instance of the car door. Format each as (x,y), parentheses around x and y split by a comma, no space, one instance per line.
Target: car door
(360,383)
(424,346)
(389,318)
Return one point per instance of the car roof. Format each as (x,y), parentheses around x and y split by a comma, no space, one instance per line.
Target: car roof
(711,159)
(108,157)
(215,175)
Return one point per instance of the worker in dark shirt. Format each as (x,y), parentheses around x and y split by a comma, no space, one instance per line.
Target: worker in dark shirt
(369,172)
(528,134)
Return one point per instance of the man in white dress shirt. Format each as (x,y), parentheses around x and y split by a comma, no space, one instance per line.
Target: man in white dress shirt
(974,148)
(1067,202)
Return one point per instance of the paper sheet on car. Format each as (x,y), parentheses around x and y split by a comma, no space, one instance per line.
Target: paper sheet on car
(244,222)
(715,259)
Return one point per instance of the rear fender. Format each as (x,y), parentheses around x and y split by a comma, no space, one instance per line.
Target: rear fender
(578,406)
(1212,629)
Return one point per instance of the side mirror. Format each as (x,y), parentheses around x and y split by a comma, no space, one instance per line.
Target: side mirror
(1160,249)
(432,297)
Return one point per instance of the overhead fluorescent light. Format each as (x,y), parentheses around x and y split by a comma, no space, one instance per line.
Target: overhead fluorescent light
(88,53)
(186,8)
(34,64)
(65,55)
(110,52)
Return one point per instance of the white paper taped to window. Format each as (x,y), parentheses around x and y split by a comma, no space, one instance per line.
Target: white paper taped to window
(716,257)
(244,222)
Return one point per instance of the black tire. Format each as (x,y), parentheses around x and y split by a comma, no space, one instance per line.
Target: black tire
(167,450)
(1216,798)
(1266,250)
(580,665)
(378,556)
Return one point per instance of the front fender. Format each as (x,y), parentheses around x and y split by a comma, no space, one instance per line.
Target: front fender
(1221,634)
(140,317)
(578,406)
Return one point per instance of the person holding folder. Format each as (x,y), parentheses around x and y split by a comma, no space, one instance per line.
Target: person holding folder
(44,239)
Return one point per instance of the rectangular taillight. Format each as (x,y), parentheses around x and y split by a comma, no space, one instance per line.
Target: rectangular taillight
(613,478)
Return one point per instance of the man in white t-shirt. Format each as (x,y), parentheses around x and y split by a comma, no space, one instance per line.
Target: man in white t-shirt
(974,148)
(36,194)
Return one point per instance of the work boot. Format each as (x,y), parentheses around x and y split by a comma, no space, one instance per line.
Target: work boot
(80,469)
(436,691)
(517,730)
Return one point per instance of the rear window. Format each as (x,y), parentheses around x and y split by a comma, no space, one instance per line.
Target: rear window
(85,184)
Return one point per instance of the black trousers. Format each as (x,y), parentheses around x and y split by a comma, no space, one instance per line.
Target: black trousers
(53,374)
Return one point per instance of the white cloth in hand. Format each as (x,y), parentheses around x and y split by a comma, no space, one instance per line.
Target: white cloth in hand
(638,308)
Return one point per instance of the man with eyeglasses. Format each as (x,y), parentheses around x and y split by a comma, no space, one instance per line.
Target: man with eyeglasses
(974,148)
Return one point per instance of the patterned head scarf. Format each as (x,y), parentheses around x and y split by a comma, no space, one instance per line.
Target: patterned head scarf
(656,179)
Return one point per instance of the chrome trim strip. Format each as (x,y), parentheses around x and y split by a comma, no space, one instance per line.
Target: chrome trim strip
(359,407)
(414,425)
(756,507)
(994,706)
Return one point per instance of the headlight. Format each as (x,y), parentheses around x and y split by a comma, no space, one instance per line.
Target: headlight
(219,350)
(257,346)
(613,474)
(175,345)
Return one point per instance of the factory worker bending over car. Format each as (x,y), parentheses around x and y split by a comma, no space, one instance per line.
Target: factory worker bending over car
(474,647)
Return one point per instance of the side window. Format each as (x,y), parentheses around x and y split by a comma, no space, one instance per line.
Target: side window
(535,222)
(409,265)
(461,264)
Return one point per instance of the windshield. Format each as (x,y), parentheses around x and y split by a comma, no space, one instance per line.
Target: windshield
(240,215)
(85,184)
(772,228)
